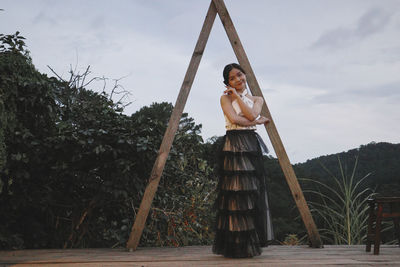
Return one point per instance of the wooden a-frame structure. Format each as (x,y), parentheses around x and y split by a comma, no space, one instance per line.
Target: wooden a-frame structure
(218,6)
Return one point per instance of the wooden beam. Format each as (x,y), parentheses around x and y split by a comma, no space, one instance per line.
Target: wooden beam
(169,135)
(270,127)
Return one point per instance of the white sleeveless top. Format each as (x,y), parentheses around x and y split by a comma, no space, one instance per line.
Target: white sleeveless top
(232,126)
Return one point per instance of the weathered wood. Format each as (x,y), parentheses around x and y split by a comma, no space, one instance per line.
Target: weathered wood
(270,127)
(169,135)
(202,256)
(218,6)
(381,208)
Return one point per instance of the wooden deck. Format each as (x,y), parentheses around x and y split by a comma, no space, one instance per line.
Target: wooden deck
(202,256)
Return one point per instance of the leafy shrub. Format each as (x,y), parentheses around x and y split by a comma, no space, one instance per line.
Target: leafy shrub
(74,168)
(341,206)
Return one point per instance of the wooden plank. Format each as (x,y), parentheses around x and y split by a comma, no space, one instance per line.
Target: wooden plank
(270,127)
(202,256)
(169,135)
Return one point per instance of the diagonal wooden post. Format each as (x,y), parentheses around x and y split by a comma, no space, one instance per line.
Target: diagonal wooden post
(218,6)
(270,127)
(169,135)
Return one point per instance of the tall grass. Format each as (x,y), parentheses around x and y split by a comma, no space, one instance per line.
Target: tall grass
(340,206)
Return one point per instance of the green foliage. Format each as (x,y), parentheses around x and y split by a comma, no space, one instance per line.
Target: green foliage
(381,160)
(74,167)
(26,118)
(181,213)
(284,212)
(291,240)
(11,49)
(341,206)
(12,43)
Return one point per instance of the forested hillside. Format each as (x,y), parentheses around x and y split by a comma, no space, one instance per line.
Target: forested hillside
(382,160)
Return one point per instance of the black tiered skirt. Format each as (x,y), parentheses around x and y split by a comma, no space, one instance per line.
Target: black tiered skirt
(243,222)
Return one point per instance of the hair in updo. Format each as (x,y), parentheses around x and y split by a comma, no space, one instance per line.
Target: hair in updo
(228,69)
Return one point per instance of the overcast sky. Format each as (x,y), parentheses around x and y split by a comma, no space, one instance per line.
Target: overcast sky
(329,70)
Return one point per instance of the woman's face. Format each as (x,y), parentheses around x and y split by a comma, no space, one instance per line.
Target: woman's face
(237,79)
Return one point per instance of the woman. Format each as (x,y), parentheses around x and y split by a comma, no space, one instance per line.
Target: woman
(243,223)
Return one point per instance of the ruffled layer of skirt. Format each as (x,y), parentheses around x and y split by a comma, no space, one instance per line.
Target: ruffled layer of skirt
(243,223)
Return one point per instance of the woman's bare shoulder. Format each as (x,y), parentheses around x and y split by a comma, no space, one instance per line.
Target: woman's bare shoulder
(225,98)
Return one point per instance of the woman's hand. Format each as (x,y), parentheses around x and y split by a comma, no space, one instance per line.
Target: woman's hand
(262,120)
(231,91)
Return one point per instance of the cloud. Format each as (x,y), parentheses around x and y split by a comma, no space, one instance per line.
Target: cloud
(43,18)
(388,92)
(372,22)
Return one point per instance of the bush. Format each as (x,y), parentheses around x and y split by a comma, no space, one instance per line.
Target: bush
(74,168)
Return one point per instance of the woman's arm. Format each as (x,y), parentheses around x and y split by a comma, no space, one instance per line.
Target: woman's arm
(258,103)
(248,112)
(226,105)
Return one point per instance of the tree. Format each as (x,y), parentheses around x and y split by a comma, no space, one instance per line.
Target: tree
(27,114)
(74,167)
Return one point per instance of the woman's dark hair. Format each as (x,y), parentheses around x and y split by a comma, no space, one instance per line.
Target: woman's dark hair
(228,69)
